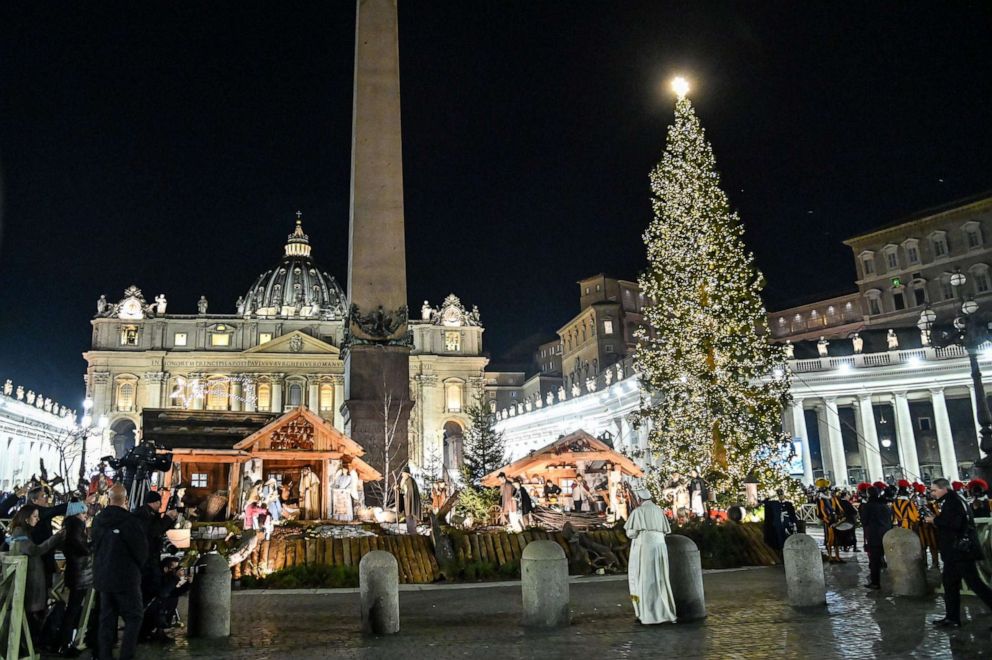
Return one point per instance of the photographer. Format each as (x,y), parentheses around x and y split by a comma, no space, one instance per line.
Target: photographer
(163,609)
(155,525)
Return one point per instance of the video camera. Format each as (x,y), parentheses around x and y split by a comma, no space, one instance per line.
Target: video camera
(138,464)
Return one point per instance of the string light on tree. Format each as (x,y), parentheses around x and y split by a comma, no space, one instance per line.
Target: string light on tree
(715,385)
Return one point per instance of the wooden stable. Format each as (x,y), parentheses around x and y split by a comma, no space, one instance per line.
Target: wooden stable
(282,447)
(563,460)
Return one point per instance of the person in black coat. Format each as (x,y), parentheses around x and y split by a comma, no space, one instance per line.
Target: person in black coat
(156,525)
(120,549)
(876,520)
(952,521)
(78,573)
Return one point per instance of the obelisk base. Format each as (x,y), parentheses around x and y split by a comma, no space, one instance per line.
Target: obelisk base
(376,411)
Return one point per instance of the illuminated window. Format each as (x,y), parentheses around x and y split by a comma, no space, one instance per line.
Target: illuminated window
(217,395)
(453,397)
(326,397)
(180,339)
(264,396)
(198,480)
(125,396)
(220,339)
(129,335)
(264,338)
(452,340)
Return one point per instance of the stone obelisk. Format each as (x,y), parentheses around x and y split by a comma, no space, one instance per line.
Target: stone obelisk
(377,339)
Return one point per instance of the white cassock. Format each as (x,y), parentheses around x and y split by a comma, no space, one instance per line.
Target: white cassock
(647,570)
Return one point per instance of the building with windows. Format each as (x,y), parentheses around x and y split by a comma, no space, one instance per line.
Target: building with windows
(279,348)
(901,268)
(32,430)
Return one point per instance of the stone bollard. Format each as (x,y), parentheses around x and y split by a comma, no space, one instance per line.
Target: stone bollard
(210,598)
(544,582)
(686,574)
(907,571)
(804,571)
(379,584)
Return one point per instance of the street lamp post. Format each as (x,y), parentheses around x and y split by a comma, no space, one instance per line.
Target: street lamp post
(969,332)
(83,430)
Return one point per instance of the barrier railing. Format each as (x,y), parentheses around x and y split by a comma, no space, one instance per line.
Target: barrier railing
(13,623)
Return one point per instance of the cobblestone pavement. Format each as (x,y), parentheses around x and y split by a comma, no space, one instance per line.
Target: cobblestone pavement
(747,619)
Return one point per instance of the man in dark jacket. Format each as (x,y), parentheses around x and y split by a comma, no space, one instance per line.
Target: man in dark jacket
(876,520)
(120,549)
(952,522)
(155,525)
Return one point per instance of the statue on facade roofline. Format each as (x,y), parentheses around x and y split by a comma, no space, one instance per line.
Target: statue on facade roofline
(20,392)
(30,397)
(160,304)
(821,346)
(790,350)
(857,342)
(892,340)
(8,387)
(240,305)
(201,305)
(101,304)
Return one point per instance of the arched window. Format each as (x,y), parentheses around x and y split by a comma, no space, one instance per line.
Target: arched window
(453,397)
(264,396)
(295,394)
(125,396)
(217,394)
(326,397)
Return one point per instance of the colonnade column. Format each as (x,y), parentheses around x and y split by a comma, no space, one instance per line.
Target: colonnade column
(945,440)
(836,441)
(906,438)
(799,431)
(197,393)
(869,439)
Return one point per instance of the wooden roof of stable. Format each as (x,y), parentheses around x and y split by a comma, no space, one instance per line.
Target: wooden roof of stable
(225,435)
(566,450)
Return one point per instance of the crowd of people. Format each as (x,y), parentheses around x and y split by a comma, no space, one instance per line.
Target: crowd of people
(110,552)
(943,516)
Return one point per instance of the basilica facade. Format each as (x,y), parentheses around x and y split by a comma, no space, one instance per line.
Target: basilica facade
(278,348)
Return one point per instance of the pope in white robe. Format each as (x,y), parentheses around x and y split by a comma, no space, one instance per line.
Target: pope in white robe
(647,570)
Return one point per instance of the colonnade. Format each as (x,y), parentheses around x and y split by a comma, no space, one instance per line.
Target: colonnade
(832,452)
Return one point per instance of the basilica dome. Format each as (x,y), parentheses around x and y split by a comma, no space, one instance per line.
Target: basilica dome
(295,287)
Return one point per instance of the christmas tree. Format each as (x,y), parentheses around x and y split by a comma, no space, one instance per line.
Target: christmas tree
(484,448)
(713,385)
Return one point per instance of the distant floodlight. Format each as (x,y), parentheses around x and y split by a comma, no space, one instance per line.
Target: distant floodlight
(680,86)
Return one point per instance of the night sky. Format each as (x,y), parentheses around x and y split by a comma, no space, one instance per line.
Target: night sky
(169,146)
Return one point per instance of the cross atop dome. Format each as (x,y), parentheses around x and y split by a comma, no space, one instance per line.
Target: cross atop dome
(299,243)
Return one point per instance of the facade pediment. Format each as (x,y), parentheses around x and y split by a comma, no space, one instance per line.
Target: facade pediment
(296,342)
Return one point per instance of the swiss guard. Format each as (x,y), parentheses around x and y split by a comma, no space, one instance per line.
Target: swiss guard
(827,514)
(905,513)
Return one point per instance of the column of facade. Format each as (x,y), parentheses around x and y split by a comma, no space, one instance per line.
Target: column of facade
(278,382)
(826,458)
(905,438)
(868,439)
(237,393)
(836,441)
(197,392)
(798,426)
(945,439)
(153,389)
(974,418)
(250,390)
(313,394)
(432,445)
(338,381)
